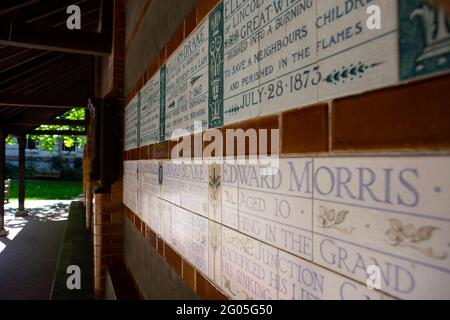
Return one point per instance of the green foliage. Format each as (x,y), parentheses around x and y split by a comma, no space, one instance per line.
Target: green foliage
(48,142)
(68,172)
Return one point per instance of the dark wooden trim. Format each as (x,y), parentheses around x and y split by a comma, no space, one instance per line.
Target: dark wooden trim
(42,102)
(57,132)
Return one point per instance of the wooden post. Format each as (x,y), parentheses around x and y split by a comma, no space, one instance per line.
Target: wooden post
(22,212)
(3,232)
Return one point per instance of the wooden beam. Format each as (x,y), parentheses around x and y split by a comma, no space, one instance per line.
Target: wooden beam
(58,122)
(57,132)
(27,35)
(60,102)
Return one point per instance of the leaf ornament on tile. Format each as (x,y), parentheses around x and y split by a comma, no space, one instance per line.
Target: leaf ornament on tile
(245,245)
(214,188)
(227,285)
(350,73)
(328,219)
(409,236)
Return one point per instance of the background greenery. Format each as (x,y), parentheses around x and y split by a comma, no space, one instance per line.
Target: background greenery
(48,189)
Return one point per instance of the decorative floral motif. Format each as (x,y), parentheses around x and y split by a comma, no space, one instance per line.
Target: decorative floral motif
(214,187)
(401,235)
(227,285)
(246,245)
(214,242)
(350,73)
(328,219)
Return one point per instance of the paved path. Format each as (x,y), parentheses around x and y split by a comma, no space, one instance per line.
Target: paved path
(28,256)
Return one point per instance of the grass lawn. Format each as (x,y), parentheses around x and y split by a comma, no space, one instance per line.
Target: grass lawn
(48,189)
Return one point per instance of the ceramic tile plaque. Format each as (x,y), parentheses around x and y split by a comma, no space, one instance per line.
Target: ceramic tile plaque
(181,225)
(289,76)
(130,125)
(249,267)
(302,280)
(352,57)
(170,189)
(194,187)
(229,195)
(275,204)
(199,257)
(149,113)
(391,212)
(241,68)
(148,176)
(424,39)
(186,85)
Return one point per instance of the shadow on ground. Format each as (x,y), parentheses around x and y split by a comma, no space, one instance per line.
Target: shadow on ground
(28,256)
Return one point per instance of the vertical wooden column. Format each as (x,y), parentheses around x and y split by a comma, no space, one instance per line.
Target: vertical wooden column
(3,232)
(22,212)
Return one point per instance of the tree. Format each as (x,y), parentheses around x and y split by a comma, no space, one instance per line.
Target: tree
(48,142)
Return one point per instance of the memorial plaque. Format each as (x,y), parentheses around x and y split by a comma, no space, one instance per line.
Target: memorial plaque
(424,39)
(170,189)
(181,232)
(131,125)
(229,194)
(166,209)
(391,212)
(194,187)
(249,267)
(149,113)
(275,204)
(130,183)
(240,70)
(302,280)
(148,176)
(352,57)
(199,256)
(287,55)
(186,85)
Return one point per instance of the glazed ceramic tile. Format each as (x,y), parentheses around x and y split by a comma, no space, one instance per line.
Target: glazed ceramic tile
(424,39)
(149,113)
(130,185)
(199,256)
(302,280)
(241,68)
(152,213)
(249,267)
(181,231)
(229,195)
(287,55)
(275,204)
(186,86)
(166,209)
(214,190)
(194,187)
(352,57)
(214,251)
(170,189)
(131,125)
(395,208)
(148,176)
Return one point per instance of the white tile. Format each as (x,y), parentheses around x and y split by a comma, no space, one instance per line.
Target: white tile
(194,187)
(187,84)
(353,58)
(287,54)
(148,176)
(200,243)
(181,231)
(165,217)
(170,189)
(249,267)
(275,204)
(214,252)
(302,280)
(149,113)
(229,195)
(390,211)
(240,68)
